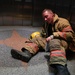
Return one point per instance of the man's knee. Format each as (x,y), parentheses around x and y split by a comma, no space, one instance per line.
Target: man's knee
(55,44)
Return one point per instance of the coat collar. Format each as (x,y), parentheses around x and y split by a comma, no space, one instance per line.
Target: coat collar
(55,18)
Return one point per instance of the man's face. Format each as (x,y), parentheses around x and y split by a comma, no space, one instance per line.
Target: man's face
(48,17)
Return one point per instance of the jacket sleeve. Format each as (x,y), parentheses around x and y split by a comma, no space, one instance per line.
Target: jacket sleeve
(64,32)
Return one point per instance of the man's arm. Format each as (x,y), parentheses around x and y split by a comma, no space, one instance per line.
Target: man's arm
(66,33)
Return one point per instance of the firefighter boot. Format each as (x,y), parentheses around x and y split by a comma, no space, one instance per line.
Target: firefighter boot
(24,55)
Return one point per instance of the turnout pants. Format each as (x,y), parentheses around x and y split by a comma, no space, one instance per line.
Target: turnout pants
(57,53)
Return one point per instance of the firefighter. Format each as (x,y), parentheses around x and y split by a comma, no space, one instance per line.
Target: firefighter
(58,35)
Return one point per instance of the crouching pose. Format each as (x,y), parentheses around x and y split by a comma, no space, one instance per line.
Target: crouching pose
(58,34)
